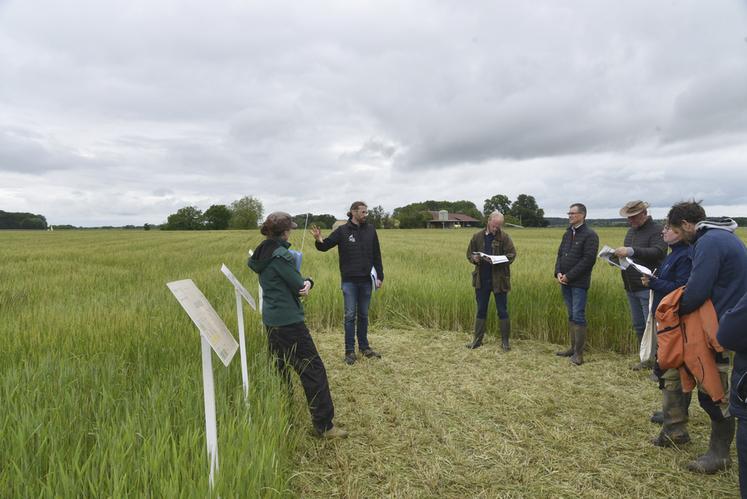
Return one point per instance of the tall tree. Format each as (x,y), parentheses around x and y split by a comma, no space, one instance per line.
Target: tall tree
(187,218)
(246,212)
(376,216)
(20,220)
(498,202)
(217,217)
(324,221)
(525,208)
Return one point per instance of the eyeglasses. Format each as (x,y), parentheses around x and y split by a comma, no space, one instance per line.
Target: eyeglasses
(574,213)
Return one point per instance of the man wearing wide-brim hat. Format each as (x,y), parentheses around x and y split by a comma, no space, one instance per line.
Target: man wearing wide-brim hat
(645,246)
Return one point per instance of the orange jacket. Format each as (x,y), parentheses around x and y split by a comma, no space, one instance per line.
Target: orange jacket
(689,344)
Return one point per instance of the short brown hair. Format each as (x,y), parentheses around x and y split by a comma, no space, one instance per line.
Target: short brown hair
(686,211)
(580,206)
(276,223)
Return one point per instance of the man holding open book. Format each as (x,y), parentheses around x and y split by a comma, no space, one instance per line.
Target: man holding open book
(492,275)
(645,246)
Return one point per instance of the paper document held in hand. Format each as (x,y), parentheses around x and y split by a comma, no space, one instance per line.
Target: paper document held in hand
(494,259)
(608,255)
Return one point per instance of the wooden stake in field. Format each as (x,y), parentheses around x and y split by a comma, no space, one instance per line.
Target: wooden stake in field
(241,292)
(215,334)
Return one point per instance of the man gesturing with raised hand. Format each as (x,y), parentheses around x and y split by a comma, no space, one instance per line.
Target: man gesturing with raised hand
(359,254)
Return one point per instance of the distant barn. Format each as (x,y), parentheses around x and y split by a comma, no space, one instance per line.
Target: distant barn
(444,220)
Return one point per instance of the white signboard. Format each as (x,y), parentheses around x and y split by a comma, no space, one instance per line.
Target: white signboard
(205,318)
(239,287)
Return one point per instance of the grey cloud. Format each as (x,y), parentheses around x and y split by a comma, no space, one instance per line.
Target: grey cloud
(372,150)
(29,152)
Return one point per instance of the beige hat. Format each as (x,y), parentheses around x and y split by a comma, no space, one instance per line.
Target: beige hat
(633,208)
(277,222)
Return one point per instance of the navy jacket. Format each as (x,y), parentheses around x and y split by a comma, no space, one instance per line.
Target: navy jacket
(732,334)
(359,250)
(673,273)
(577,255)
(719,271)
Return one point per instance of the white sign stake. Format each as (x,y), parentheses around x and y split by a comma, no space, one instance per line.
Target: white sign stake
(211,426)
(241,292)
(215,334)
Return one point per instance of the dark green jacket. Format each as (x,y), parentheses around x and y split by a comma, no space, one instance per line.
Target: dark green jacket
(502,245)
(280,283)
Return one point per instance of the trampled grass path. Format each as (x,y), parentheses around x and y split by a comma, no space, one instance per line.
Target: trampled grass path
(433,419)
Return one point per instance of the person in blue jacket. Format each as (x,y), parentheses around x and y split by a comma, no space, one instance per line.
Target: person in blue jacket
(673,273)
(732,334)
(720,274)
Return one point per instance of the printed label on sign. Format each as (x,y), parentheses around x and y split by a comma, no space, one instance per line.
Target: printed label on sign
(205,318)
(236,284)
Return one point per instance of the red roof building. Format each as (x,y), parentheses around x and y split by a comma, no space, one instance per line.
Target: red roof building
(443,219)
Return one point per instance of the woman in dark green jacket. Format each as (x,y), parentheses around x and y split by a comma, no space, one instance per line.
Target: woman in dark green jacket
(282,313)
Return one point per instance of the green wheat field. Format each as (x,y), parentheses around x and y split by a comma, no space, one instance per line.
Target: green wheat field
(101,384)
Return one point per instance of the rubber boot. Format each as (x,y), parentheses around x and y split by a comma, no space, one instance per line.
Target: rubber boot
(578,350)
(572,334)
(717,458)
(505,332)
(674,427)
(479,334)
(657,417)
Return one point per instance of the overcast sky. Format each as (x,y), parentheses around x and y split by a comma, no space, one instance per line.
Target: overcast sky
(116,113)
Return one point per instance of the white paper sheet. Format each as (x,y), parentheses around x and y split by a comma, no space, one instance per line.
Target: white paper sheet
(494,259)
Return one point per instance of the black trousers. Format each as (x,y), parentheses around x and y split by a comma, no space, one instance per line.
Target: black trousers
(292,345)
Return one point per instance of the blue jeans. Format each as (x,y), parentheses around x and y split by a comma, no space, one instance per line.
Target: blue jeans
(575,302)
(483,300)
(357,297)
(638,301)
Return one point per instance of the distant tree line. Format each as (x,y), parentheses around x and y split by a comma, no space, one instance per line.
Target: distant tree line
(11,220)
(244,213)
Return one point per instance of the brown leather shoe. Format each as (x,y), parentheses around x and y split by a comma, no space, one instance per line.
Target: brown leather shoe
(369,353)
(350,358)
